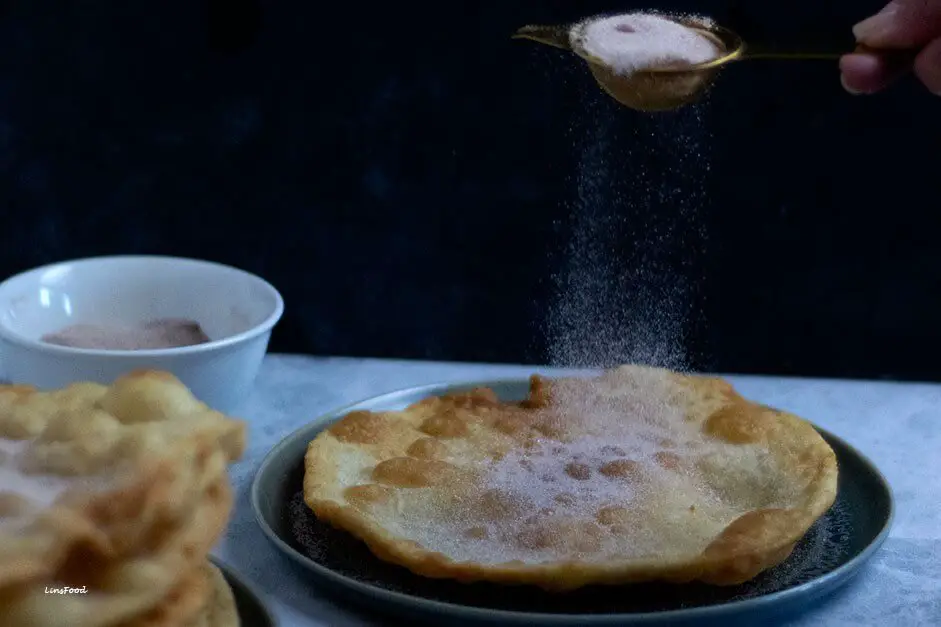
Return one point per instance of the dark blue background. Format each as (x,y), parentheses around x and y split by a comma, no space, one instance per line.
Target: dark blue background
(405,174)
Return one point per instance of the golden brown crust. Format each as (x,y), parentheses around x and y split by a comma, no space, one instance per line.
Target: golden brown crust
(638,474)
(121,490)
(219,608)
(182,606)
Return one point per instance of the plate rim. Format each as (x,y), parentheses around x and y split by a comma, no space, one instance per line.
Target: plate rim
(390,597)
(231,574)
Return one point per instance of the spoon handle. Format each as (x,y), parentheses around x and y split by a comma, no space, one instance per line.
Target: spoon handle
(828,56)
(556,36)
(893,55)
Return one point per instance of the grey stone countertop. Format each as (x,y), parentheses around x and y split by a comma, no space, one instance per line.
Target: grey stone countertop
(897,425)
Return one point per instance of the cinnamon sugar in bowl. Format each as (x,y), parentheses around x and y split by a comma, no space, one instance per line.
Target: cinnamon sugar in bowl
(98,318)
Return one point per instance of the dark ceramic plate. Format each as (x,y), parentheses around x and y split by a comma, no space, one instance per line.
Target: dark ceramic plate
(251,609)
(829,555)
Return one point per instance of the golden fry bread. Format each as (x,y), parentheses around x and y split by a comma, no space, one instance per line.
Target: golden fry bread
(637,474)
(220,609)
(182,606)
(120,490)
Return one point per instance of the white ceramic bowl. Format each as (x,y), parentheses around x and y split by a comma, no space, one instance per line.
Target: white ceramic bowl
(237,310)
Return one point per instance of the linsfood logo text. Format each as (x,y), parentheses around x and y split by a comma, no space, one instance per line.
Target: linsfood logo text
(67,590)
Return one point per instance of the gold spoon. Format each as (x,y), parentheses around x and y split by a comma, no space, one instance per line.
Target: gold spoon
(665,87)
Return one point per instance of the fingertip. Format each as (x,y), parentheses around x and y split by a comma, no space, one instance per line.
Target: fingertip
(875,29)
(859,63)
(860,73)
(868,73)
(901,25)
(848,86)
(927,67)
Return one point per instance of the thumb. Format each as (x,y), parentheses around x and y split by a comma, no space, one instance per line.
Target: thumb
(902,24)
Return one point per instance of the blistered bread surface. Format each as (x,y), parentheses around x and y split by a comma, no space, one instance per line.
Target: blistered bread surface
(638,474)
(119,491)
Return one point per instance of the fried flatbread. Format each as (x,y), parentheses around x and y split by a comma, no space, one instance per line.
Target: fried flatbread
(220,609)
(120,491)
(638,474)
(183,606)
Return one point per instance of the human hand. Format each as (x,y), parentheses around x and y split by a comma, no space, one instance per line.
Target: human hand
(903,25)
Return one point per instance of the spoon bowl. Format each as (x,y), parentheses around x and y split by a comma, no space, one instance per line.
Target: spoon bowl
(659,88)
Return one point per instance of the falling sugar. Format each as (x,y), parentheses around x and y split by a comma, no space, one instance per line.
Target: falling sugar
(631,268)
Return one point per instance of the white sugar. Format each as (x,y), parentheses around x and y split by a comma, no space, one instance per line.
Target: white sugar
(41,489)
(636,41)
(539,476)
(621,480)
